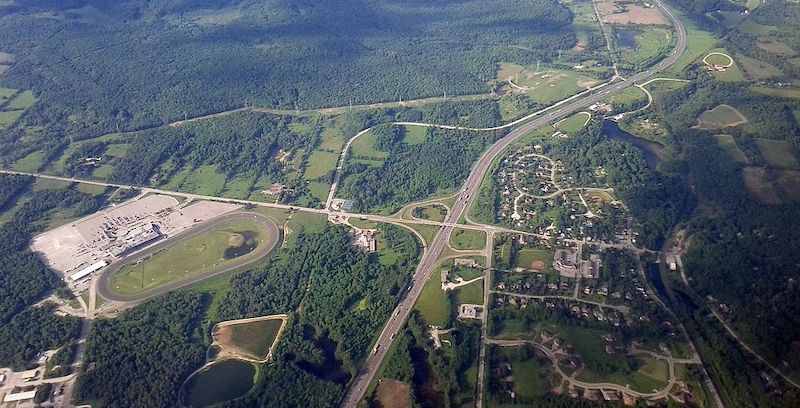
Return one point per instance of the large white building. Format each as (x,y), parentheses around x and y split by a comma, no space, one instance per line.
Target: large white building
(88,270)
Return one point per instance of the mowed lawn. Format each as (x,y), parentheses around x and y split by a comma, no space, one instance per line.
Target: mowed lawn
(194,255)
(255,338)
(574,123)
(777,153)
(472,293)
(467,239)
(433,303)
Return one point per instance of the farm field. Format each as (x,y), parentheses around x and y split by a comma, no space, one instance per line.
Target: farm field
(757,69)
(212,249)
(720,117)
(777,153)
(793,93)
(254,338)
(789,183)
(462,239)
(729,145)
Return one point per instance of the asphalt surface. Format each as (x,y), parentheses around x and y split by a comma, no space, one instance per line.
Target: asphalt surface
(272,239)
(470,189)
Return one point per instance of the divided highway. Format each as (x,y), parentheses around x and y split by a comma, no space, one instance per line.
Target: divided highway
(470,189)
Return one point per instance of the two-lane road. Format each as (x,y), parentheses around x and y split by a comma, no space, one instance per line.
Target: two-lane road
(470,189)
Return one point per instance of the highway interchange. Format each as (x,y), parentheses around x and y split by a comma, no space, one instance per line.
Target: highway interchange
(458,210)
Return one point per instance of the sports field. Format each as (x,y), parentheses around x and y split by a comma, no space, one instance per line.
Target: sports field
(720,117)
(209,250)
(535,259)
(254,339)
(777,153)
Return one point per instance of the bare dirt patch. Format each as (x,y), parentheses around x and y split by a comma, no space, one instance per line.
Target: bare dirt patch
(393,394)
(759,186)
(623,12)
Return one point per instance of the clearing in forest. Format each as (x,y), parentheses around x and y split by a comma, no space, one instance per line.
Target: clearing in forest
(720,117)
(729,145)
(789,183)
(777,153)
(759,186)
(393,394)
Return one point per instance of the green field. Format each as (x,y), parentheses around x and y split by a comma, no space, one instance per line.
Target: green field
(574,123)
(472,293)
(777,153)
(792,93)
(6,94)
(729,145)
(757,69)
(30,163)
(186,258)
(92,189)
(651,43)
(433,303)
(204,180)
(731,73)
(9,117)
(427,231)
(22,101)
(651,375)
(364,146)
(698,42)
(720,117)
(303,221)
(527,257)
(240,186)
(414,135)
(433,212)
(462,239)
(255,338)
(319,164)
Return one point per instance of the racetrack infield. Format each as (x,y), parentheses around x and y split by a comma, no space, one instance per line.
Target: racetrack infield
(264,248)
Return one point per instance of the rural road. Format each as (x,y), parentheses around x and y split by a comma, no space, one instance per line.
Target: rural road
(428,262)
(272,239)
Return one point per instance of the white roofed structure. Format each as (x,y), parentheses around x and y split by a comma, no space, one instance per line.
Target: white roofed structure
(20,396)
(89,269)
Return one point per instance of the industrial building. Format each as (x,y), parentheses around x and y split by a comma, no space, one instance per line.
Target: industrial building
(88,270)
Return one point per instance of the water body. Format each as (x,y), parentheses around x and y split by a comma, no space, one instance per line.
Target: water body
(654,153)
(627,37)
(249,243)
(220,382)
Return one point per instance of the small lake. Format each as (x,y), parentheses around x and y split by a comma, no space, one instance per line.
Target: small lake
(219,382)
(654,153)
(627,37)
(249,243)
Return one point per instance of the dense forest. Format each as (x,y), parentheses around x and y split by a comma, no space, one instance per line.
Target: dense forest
(140,358)
(199,57)
(24,330)
(413,172)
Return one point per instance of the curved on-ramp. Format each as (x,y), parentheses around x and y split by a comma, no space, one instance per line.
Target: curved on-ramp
(272,239)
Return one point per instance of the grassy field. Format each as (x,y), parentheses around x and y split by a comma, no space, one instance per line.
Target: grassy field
(433,303)
(651,375)
(759,186)
(254,338)
(22,101)
(574,123)
(546,85)
(427,231)
(698,44)
(240,186)
(777,153)
(319,164)
(720,117)
(30,163)
(651,43)
(789,183)
(467,239)
(433,212)
(48,184)
(731,73)
(527,257)
(757,69)
(793,93)
(186,258)
(364,146)
(92,189)
(729,145)
(472,293)
(303,221)
(393,394)
(6,94)
(415,135)
(9,117)
(205,180)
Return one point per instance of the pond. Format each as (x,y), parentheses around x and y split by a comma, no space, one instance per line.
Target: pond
(248,242)
(222,381)
(627,37)
(654,153)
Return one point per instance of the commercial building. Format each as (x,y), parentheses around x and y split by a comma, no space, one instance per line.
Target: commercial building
(88,270)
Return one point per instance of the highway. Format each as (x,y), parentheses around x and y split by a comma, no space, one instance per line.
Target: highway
(468,193)
(272,239)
